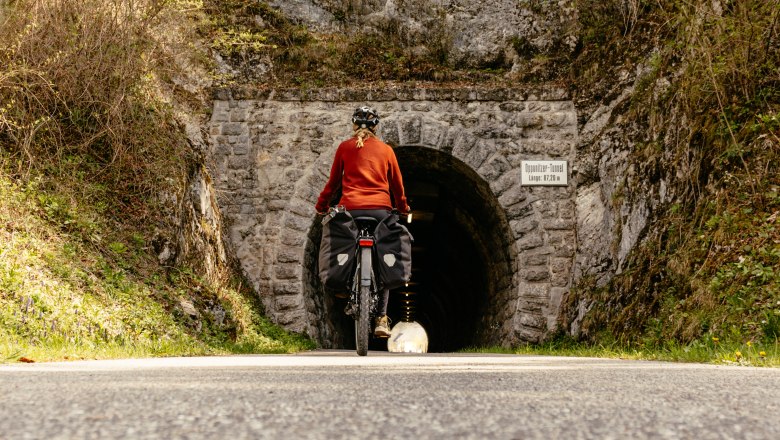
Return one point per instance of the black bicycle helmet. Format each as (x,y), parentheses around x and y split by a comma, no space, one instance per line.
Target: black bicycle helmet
(365,117)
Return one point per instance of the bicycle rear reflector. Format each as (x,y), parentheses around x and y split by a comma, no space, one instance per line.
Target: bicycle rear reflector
(366,242)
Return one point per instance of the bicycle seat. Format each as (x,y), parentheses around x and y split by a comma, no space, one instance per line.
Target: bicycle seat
(366,222)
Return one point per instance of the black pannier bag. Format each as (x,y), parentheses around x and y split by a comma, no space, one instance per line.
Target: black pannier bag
(338,250)
(393,253)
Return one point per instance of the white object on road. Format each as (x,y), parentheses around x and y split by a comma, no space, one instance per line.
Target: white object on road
(408,337)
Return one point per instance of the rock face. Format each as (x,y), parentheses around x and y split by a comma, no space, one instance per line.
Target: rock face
(271,154)
(474,33)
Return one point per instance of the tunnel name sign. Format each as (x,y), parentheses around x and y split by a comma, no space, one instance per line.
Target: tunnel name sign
(544,173)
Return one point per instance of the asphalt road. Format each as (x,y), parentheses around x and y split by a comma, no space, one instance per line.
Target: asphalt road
(330,394)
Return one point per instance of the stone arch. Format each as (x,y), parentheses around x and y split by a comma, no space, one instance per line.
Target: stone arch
(448,151)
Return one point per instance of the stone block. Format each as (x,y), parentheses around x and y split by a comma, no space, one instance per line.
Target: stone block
(289,271)
(462,145)
(301,208)
(547,148)
(506,181)
(288,302)
(524,226)
(221,105)
(558,224)
(538,259)
(567,250)
(519,211)
(513,195)
(409,131)
(557,119)
(494,168)
(512,106)
(528,334)
(536,274)
(320,146)
(433,135)
(238,115)
(263,289)
(560,237)
(567,209)
(293,320)
(222,149)
(478,154)
(560,279)
(248,209)
(536,291)
(533,321)
(293,238)
(389,133)
(298,223)
(562,106)
(287,288)
(561,271)
(493,94)
(528,120)
(293,174)
(236,163)
(233,128)
(539,106)
(277,205)
(290,255)
(530,241)
(241,149)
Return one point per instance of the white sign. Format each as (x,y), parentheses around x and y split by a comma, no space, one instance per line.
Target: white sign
(544,173)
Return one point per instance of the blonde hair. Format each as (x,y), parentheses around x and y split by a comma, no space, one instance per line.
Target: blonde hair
(361,134)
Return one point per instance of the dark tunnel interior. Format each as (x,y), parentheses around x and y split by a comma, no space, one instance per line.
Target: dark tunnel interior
(460,254)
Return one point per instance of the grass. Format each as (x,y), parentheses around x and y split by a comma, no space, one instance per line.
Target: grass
(710,351)
(76,285)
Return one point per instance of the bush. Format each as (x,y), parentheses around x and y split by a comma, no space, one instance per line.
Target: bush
(77,90)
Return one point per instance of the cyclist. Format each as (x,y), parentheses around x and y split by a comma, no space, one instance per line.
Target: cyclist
(366,172)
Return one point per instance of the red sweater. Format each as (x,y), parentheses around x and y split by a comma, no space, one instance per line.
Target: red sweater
(366,177)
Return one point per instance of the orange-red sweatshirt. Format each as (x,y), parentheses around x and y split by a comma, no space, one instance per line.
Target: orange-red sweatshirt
(366,177)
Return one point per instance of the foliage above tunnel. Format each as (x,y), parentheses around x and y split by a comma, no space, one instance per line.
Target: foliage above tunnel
(361,44)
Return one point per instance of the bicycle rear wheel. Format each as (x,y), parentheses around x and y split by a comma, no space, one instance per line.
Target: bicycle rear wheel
(362,324)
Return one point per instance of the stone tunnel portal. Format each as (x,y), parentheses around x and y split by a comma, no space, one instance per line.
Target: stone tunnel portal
(462,262)
(493,256)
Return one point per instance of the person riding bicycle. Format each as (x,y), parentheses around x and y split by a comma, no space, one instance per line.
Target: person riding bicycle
(366,172)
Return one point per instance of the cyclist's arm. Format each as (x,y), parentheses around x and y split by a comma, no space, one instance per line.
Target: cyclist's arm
(397,185)
(333,185)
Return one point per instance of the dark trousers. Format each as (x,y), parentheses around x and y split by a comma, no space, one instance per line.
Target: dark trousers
(379,215)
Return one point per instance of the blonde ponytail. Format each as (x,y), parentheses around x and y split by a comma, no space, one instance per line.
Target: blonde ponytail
(361,134)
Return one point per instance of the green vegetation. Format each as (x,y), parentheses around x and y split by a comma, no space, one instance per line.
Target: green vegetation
(705,118)
(89,153)
(711,351)
(299,57)
(76,285)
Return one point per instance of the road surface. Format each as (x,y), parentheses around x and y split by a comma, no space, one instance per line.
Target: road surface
(336,394)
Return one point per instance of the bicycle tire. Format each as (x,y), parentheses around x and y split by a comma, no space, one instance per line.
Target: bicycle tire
(362,324)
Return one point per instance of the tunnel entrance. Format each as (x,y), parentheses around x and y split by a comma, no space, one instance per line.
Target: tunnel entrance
(461,258)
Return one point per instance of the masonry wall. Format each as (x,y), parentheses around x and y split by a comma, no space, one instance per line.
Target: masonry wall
(271,152)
